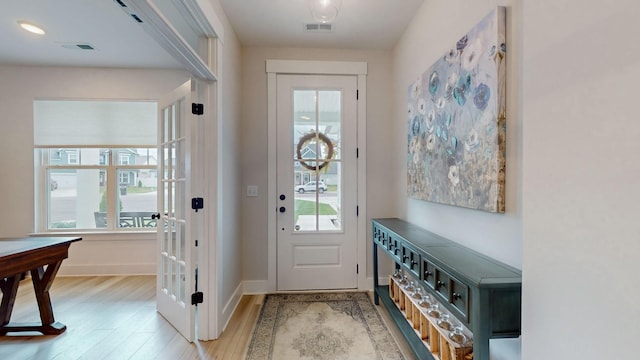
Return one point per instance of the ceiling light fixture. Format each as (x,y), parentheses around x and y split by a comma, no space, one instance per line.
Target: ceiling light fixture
(31,27)
(324,11)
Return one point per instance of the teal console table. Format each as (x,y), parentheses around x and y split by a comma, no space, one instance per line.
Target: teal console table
(482,293)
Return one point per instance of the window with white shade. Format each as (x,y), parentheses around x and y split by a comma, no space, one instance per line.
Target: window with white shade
(96,165)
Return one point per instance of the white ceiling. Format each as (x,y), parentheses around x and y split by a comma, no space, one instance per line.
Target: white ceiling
(361,24)
(118,39)
(121,42)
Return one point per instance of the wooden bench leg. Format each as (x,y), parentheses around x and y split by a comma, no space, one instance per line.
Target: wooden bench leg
(42,280)
(9,287)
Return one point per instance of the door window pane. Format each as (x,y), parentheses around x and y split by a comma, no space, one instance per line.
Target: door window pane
(329,119)
(316,163)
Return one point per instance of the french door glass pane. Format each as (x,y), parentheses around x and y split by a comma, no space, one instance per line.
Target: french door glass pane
(166,124)
(167,195)
(182,285)
(174,243)
(166,269)
(174,278)
(180,165)
(174,133)
(179,193)
(172,162)
(172,207)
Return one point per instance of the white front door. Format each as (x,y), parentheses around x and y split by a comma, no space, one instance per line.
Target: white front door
(176,244)
(316,182)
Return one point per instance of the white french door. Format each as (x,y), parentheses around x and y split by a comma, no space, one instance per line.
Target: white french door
(176,245)
(316,182)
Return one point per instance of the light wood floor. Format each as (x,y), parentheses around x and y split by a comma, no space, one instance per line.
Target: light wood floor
(114,317)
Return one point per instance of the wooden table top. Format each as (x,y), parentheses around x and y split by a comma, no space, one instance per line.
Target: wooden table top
(13,246)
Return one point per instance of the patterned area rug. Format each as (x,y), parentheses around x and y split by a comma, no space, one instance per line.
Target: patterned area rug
(321,326)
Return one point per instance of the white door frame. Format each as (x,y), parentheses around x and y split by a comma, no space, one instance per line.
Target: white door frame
(208,252)
(359,69)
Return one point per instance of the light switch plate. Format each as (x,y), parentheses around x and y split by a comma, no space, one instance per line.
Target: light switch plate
(252,191)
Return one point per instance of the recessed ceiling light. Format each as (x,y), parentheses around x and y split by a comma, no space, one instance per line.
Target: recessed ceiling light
(31,27)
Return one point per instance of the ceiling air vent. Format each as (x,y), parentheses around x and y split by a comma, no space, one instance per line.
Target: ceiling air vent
(136,18)
(318,28)
(81,46)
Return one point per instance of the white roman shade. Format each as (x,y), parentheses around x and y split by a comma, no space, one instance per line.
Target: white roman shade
(64,123)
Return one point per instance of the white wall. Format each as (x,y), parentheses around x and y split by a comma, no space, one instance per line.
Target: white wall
(227,138)
(435,28)
(19,86)
(581,197)
(254,143)
(572,145)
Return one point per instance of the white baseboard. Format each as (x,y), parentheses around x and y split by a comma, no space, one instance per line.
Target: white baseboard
(253,287)
(231,305)
(382,280)
(107,269)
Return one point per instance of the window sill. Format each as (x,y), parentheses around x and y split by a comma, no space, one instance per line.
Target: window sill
(102,235)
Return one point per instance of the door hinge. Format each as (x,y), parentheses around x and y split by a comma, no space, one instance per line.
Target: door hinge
(357,268)
(357,94)
(357,153)
(197,109)
(196,243)
(197,298)
(197,203)
(357,210)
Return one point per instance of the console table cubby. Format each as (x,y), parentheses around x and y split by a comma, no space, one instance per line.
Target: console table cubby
(482,293)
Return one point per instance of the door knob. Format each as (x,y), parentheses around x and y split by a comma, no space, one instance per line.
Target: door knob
(155,216)
(282,209)
(282,197)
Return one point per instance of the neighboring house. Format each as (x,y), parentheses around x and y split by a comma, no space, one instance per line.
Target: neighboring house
(70,157)
(303,175)
(147,177)
(128,177)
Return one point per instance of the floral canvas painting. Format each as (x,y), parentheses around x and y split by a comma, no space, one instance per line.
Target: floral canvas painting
(456,122)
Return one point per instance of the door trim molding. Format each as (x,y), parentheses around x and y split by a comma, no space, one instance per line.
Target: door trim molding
(304,67)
